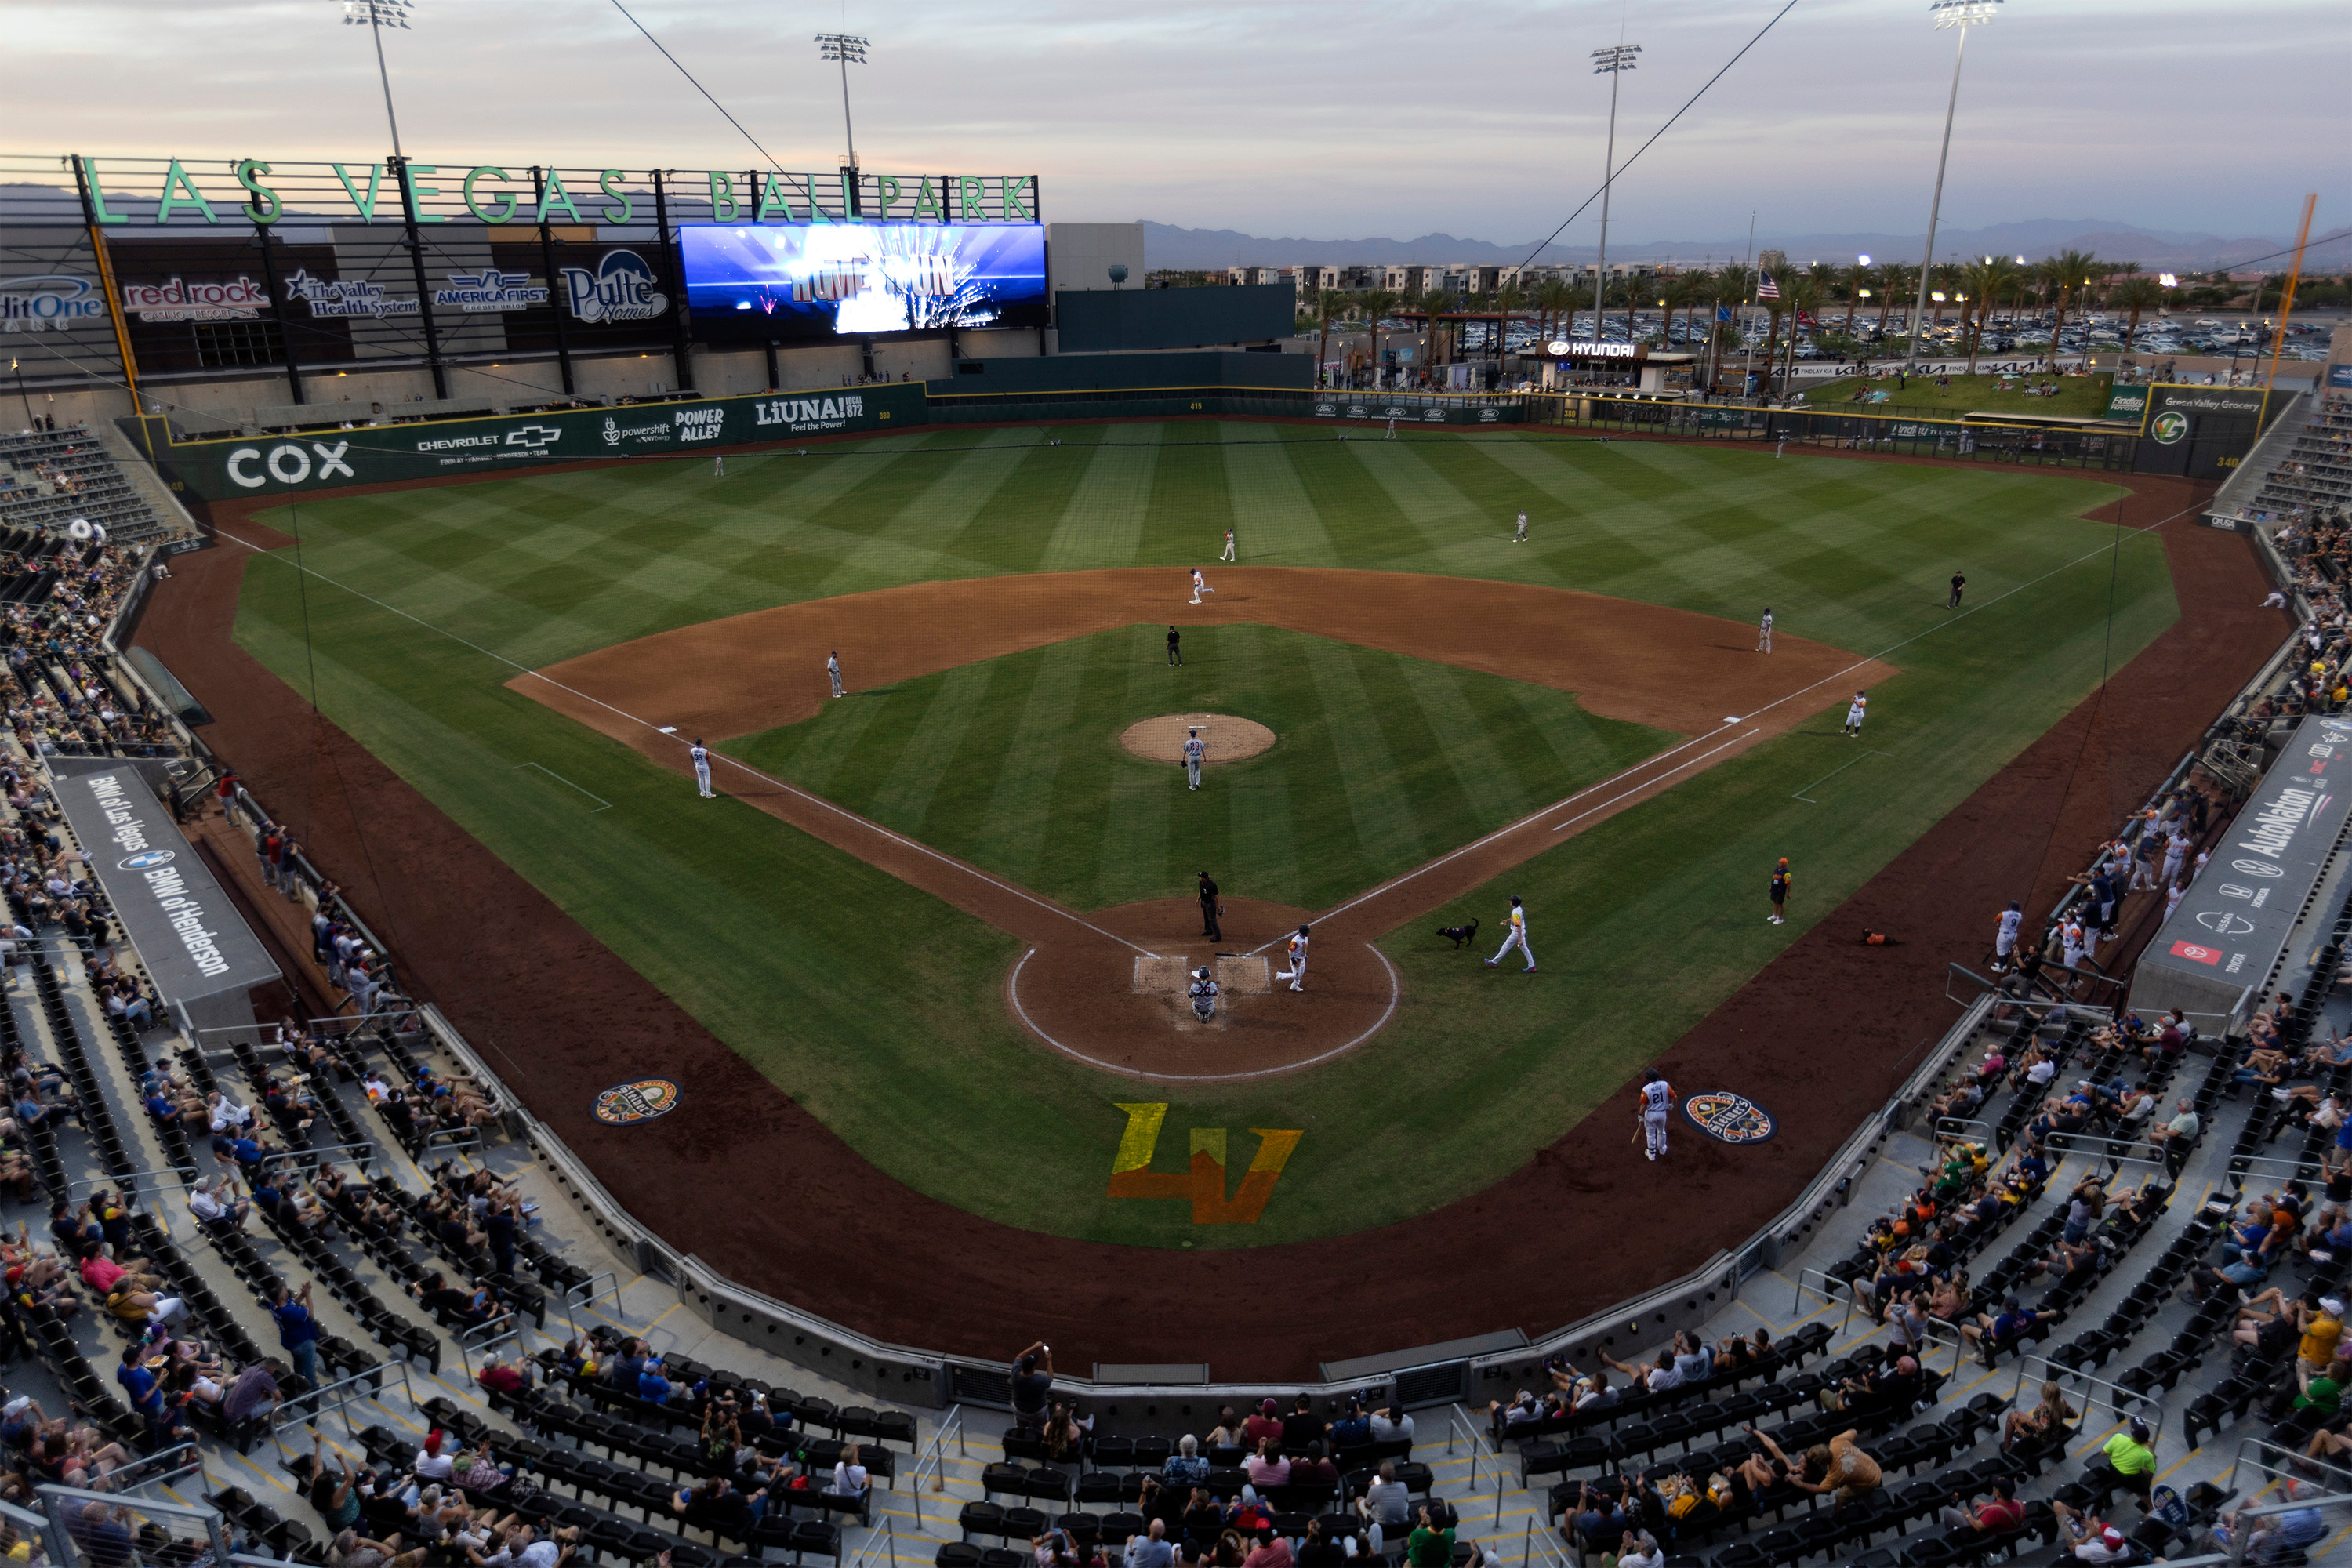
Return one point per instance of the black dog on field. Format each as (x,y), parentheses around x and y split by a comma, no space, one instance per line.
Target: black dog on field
(1461,934)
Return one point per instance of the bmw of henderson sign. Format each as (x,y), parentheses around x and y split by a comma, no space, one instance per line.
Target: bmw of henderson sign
(190,937)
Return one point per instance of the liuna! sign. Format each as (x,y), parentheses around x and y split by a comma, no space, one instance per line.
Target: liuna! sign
(450,448)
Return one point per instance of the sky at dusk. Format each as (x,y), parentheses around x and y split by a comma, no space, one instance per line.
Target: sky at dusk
(1275,118)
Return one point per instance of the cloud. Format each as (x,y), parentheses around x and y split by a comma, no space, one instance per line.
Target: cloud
(1276,116)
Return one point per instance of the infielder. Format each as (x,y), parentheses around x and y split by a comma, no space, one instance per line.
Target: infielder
(1297,970)
(1196,749)
(2004,935)
(1780,893)
(1515,934)
(1658,1099)
(701,755)
(1521,537)
(1200,585)
(832,671)
(1764,632)
(1229,555)
(1854,712)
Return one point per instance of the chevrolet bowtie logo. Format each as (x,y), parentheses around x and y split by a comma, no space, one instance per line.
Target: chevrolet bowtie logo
(533,435)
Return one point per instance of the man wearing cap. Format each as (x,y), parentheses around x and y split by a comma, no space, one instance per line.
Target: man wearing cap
(2321,1331)
(1264,1426)
(2131,1453)
(2093,1540)
(2265,1537)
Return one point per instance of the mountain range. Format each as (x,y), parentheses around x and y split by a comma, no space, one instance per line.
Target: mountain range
(1173,248)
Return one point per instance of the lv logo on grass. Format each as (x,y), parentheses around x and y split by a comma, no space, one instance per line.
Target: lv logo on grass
(1132,1177)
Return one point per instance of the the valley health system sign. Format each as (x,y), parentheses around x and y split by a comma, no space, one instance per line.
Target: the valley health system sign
(384,454)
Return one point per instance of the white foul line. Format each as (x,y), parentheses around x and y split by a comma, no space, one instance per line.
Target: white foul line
(870,826)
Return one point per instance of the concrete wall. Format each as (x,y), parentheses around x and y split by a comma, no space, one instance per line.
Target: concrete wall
(1079,254)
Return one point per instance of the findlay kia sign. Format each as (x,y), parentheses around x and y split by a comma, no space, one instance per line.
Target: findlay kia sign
(2233,923)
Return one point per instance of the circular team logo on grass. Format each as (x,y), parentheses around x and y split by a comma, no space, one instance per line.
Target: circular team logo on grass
(1730,1118)
(2168,427)
(639,1099)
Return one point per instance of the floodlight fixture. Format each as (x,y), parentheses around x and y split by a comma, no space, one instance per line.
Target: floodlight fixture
(375,15)
(1862,260)
(1610,62)
(845,49)
(1963,15)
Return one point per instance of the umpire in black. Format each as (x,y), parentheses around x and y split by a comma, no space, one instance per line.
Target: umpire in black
(1209,926)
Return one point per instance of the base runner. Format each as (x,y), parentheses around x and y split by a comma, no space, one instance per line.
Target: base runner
(1297,970)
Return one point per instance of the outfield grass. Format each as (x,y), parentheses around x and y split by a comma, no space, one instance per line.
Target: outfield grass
(905,1048)
(2079,396)
(1380,762)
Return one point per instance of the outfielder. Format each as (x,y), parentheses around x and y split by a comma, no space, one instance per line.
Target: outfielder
(1515,934)
(1854,712)
(1200,585)
(1297,970)
(1658,1099)
(1521,537)
(717,465)
(832,671)
(1229,555)
(1764,632)
(701,755)
(1196,749)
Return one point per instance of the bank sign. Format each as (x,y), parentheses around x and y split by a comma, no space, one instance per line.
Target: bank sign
(474,449)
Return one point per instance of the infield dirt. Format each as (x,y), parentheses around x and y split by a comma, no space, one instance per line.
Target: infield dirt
(1821,1036)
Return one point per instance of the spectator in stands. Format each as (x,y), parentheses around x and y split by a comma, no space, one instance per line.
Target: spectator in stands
(1266,1469)
(1302,1426)
(1431,1544)
(1352,1429)
(1264,1423)
(1312,1469)
(1734,1356)
(297,1331)
(215,1206)
(1657,1378)
(1390,1424)
(2050,1416)
(2087,1539)
(2004,1515)
(1992,1335)
(1065,1433)
(1151,1550)
(1386,1504)
(1033,1382)
(2131,1453)
(1846,1472)
(1185,1466)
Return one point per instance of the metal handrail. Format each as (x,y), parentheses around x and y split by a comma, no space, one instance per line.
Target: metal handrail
(129,1186)
(61,1499)
(1532,1540)
(868,1557)
(1458,1424)
(2067,1143)
(190,1458)
(507,1328)
(344,1390)
(587,1294)
(319,1151)
(2116,1392)
(2297,1468)
(934,1455)
(1845,1289)
(2240,1167)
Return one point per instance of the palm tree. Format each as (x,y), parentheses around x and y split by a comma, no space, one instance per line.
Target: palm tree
(1801,297)
(2060,276)
(1730,291)
(1982,282)
(1509,300)
(2135,293)
(1854,280)
(1684,291)
(1895,278)
(1557,296)
(1433,304)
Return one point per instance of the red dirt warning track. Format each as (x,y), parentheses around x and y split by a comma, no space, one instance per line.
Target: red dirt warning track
(1543,1247)
(1646,663)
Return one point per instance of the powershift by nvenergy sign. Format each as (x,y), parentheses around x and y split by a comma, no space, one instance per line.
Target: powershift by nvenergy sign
(2234,921)
(179,918)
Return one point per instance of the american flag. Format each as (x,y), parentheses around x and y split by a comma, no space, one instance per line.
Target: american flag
(1765,287)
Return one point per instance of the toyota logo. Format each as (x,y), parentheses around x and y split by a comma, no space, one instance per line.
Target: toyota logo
(147,861)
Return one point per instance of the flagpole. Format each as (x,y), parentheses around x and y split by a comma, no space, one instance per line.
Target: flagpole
(1748,350)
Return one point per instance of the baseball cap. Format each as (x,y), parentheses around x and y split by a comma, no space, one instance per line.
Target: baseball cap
(2331,1305)
(2111,1538)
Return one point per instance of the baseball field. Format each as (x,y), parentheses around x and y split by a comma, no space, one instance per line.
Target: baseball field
(516,651)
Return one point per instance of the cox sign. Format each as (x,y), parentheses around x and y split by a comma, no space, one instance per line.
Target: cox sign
(289,462)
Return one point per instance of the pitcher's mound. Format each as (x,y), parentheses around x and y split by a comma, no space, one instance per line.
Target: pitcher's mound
(1229,739)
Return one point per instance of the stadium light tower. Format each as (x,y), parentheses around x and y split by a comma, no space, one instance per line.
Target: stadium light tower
(1963,15)
(1610,62)
(375,15)
(845,50)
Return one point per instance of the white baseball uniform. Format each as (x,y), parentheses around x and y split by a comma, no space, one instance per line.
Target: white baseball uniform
(1297,970)
(1854,712)
(1515,934)
(2070,943)
(1658,1099)
(1229,555)
(717,465)
(2005,937)
(1196,749)
(1764,634)
(701,755)
(1521,537)
(2175,853)
(833,673)
(1200,585)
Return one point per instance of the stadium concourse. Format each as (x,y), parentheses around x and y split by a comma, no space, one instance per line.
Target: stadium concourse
(444,1279)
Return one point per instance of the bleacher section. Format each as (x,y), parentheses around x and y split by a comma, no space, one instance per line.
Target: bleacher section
(48,477)
(2311,479)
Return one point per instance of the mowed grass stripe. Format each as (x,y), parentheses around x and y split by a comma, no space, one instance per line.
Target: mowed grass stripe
(1102,525)
(1014,823)
(1386,827)
(1262,485)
